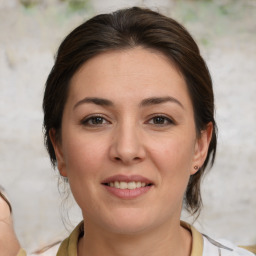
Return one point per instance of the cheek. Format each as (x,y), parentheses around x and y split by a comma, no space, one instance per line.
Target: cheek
(173,155)
(84,159)
(83,155)
(173,158)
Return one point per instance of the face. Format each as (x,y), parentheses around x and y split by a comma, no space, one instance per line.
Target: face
(128,141)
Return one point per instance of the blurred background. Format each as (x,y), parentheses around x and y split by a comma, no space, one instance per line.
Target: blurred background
(31,31)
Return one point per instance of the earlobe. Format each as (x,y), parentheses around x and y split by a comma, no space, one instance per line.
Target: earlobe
(201,148)
(58,152)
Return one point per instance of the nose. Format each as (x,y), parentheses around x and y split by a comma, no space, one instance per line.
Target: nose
(127,145)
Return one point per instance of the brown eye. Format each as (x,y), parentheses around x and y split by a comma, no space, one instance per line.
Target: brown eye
(95,121)
(160,120)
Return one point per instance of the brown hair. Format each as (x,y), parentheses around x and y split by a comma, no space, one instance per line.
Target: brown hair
(128,28)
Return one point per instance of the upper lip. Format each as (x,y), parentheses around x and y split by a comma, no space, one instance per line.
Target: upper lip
(127,178)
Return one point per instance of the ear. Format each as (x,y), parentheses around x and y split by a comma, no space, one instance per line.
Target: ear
(201,148)
(58,152)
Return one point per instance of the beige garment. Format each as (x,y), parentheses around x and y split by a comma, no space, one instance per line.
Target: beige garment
(22,253)
(251,248)
(69,246)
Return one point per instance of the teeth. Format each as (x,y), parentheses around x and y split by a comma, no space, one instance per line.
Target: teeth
(138,184)
(127,185)
(123,185)
(131,185)
(116,184)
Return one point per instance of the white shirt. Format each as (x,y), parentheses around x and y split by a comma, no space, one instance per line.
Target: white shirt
(222,248)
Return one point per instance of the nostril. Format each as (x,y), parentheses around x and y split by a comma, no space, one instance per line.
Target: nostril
(120,159)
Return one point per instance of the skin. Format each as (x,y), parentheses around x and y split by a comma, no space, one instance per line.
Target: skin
(9,244)
(129,139)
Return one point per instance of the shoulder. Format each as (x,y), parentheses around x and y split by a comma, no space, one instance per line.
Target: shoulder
(60,248)
(50,250)
(223,248)
(203,245)
(21,252)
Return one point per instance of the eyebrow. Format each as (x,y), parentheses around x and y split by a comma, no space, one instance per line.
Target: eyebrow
(94,100)
(144,103)
(160,100)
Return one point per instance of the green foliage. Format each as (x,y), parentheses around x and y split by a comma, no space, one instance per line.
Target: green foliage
(77,5)
(204,41)
(71,5)
(223,10)
(190,15)
(29,3)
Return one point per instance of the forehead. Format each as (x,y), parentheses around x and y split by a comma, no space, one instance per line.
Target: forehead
(130,73)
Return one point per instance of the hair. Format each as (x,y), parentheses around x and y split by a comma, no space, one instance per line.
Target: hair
(127,29)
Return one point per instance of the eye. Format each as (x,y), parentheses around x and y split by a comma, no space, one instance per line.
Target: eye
(94,121)
(160,120)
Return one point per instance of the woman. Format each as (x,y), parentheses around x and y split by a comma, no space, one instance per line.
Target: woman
(129,122)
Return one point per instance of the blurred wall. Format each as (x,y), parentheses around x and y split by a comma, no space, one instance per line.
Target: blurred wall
(30,34)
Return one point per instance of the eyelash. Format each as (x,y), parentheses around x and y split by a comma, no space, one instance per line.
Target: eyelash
(90,121)
(167,121)
(93,122)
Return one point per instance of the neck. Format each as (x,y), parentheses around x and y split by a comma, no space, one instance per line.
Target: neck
(164,241)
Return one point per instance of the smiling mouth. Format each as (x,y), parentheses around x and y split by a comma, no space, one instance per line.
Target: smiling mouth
(127,185)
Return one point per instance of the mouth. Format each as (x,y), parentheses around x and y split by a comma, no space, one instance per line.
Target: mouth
(127,185)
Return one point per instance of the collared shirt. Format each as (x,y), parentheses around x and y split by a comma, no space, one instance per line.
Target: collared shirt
(202,245)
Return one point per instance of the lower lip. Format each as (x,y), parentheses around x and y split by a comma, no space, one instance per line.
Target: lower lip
(128,193)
